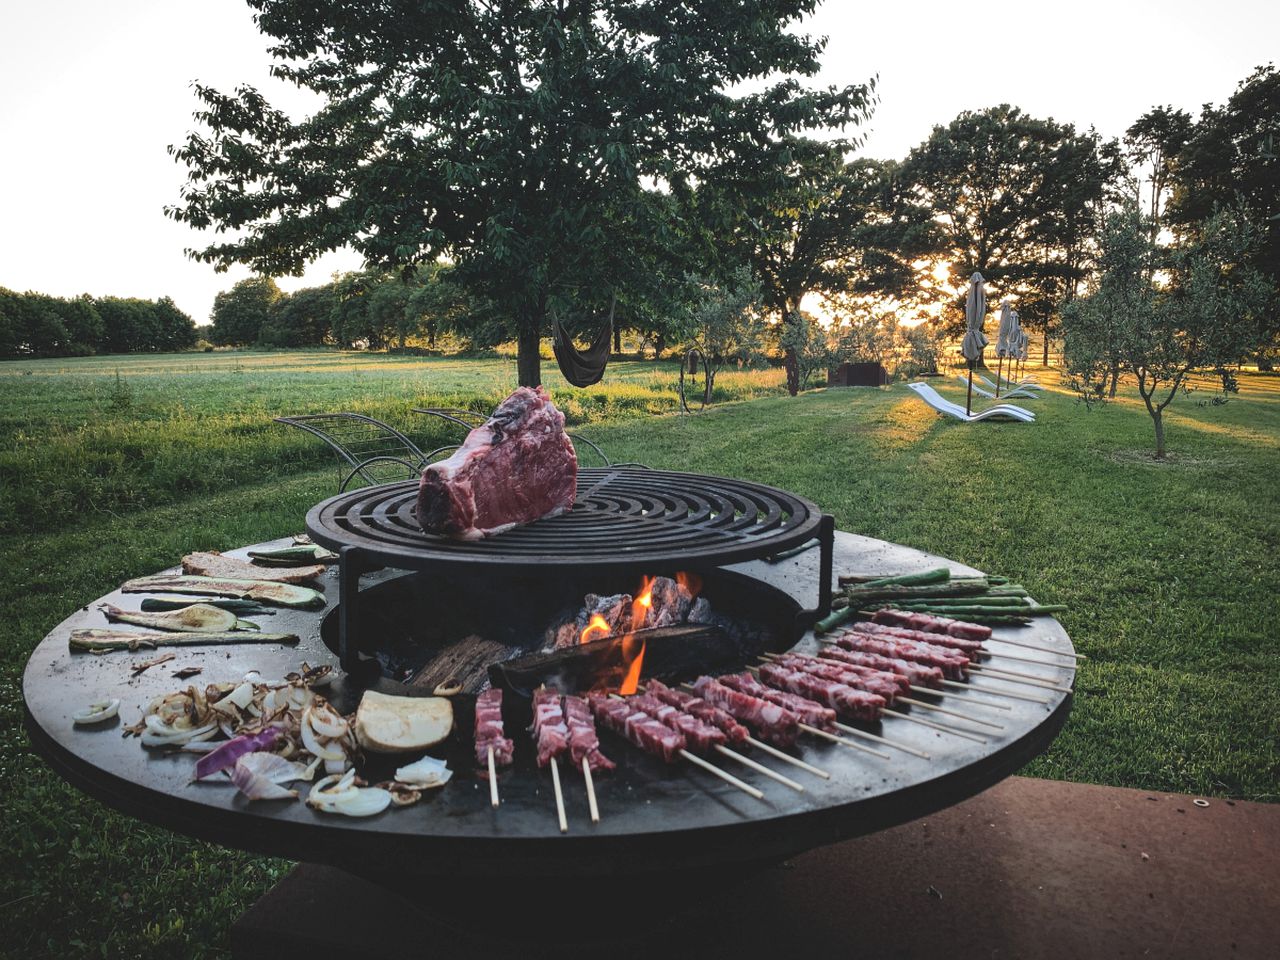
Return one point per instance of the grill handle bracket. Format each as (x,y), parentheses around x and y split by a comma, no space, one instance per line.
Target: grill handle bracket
(805,619)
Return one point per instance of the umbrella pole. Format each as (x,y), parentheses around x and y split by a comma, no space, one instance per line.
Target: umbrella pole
(968,400)
(999,367)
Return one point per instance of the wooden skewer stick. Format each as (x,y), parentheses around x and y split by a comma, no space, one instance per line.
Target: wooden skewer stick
(726,777)
(1011,676)
(992,691)
(794,761)
(1032,646)
(591,790)
(758,767)
(892,743)
(937,726)
(843,742)
(1009,656)
(555,780)
(976,701)
(950,713)
(493,781)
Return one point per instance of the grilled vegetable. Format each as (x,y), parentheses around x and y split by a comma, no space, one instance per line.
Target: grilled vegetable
(101,641)
(222,567)
(245,608)
(196,618)
(265,591)
(293,556)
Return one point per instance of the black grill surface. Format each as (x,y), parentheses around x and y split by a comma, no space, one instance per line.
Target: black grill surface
(622,519)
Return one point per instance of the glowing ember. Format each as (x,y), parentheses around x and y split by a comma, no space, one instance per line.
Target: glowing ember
(691,582)
(597,628)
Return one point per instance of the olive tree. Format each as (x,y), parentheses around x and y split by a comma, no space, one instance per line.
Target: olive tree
(1164,315)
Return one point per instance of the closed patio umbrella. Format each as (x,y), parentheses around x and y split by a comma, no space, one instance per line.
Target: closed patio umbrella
(975,311)
(1005,339)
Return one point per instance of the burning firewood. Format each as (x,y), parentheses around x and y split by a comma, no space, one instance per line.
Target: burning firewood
(671,651)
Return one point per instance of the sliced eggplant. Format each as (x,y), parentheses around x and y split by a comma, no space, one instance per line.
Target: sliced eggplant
(265,591)
(196,618)
(101,641)
(245,608)
(293,556)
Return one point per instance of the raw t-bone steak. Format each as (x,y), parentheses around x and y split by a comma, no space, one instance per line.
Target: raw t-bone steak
(517,467)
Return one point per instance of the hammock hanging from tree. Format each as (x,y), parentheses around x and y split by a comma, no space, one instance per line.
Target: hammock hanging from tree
(582,368)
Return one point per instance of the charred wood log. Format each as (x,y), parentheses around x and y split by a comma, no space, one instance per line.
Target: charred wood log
(681,650)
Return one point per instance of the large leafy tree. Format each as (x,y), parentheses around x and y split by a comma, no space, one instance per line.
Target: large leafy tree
(1232,159)
(512,136)
(239,314)
(1018,199)
(1152,145)
(814,222)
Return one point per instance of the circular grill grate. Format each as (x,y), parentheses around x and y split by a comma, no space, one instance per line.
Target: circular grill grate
(622,519)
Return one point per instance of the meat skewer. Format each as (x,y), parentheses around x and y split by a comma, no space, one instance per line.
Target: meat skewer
(735,731)
(747,683)
(552,736)
(774,722)
(830,691)
(645,732)
(926,621)
(940,630)
(889,686)
(584,747)
(701,736)
(902,669)
(492,746)
(953,663)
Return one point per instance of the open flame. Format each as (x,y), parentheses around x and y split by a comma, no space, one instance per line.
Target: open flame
(641,604)
(596,629)
(632,647)
(691,582)
(631,678)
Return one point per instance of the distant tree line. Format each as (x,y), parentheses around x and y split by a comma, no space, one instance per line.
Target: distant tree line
(39,325)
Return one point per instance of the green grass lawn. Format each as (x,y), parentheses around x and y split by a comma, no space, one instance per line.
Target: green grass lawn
(1169,568)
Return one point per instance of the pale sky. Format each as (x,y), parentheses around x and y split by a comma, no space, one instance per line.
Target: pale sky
(91,93)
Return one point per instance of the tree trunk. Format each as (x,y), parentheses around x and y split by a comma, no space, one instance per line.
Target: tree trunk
(1045,362)
(1115,379)
(659,345)
(528,361)
(790,362)
(792,366)
(617,339)
(1158,416)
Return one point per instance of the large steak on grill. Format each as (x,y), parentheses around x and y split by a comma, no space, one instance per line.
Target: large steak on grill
(517,467)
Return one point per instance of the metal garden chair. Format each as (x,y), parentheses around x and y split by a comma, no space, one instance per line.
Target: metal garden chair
(374,451)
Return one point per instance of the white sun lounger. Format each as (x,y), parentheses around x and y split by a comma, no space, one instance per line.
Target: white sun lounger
(1024,382)
(1023,392)
(945,406)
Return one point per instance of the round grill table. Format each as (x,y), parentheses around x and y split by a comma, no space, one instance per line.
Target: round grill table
(655,818)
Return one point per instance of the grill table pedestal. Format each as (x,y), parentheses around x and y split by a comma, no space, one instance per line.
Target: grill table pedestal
(1030,868)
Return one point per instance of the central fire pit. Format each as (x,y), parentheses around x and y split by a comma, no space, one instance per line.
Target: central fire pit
(624,522)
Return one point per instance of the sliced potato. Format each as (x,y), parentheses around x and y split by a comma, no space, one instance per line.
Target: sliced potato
(387,724)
